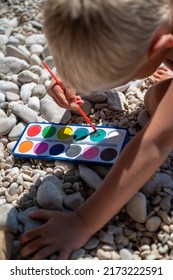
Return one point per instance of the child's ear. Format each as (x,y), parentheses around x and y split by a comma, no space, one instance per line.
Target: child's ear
(160,45)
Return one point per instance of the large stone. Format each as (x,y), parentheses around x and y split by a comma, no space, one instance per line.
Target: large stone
(25,113)
(6,86)
(49,195)
(53,113)
(6,124)
(137,207)
(91,178)
(12,65)
(16,52)
(73,201)
(9,217)
(36,39)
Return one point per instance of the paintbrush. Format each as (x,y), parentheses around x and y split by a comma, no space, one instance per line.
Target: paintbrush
(64,90)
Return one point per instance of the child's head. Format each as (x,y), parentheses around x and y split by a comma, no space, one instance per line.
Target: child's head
(98,43)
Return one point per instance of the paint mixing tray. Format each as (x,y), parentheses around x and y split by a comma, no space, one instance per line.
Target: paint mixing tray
(77,143)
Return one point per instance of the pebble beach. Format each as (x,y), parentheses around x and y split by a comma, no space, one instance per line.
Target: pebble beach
(143,229)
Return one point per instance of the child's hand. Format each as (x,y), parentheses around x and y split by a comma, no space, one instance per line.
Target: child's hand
(67,99)
(61,234)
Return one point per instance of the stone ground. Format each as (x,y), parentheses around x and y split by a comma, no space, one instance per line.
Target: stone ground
(143,229)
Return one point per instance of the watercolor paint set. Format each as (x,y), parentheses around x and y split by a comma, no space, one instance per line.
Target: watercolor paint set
(77,143)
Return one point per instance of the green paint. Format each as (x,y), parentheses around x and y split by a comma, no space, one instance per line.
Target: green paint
(49,131)
(98,135)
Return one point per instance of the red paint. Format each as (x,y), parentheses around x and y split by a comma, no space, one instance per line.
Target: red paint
(34,130)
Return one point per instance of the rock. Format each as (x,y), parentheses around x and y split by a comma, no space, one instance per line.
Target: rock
(125,254)
(165,203)
(12,41)
(16,131)
(34,103)
(153,223)
(92,243)
(53,113)
(39,91)
(2,97)
(49,61)
(86,107)
(150,186)
(116,100)
(11,145)
(6,244)
(73,201)
(96,97)
(25,113)
(6,86)
(3,39)
(27,76)
(9,217)
(106,238)
(159,179)
(11,96)
(12,65)
(16,52)
(36,49)
(36,39)
(77,254)
(91,178)
(26,91)
(26,221)
(103,255)
(137,207)
(6,124)
(35,60)
(49,196)
(45,51)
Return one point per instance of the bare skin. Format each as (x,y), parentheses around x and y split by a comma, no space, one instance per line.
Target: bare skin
(64,232)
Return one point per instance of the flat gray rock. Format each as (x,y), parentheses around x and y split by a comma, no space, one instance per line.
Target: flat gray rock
(49,195)
(53,113)
(10,64)
(91,178)
(137,207)
(6,124)
(8,86)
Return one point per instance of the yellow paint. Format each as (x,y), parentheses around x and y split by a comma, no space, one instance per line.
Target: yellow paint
(25,146)
(65,132)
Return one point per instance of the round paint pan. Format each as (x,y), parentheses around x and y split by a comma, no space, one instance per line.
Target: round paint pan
(80,134)
(65,132)
(56,149)
(48,131)
(33,130)
(114,137)
(73,151)
(25,146)
(90,152)
(108,154)
(40,148)
(97,135)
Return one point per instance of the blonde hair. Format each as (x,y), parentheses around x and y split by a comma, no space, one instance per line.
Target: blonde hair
(97,42)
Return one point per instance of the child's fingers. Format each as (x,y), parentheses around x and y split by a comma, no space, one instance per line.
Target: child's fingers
(41,214)
(63,255)
(79,100)
(58,95)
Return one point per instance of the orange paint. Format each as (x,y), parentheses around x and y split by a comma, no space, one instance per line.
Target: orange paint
(25,146)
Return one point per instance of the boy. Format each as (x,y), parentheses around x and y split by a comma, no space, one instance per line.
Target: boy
(96,45)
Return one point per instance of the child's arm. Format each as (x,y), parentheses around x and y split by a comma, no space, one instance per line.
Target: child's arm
(65,232)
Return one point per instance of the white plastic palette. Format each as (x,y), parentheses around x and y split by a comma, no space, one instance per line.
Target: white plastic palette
(77,143)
